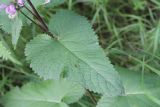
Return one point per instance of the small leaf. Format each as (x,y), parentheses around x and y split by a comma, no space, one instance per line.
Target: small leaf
(44,94)
(77,50)
(16,30)
(4,53)
(5,22)
(11,26)
(138,93)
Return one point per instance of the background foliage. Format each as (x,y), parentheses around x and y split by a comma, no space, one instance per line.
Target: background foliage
(127,30)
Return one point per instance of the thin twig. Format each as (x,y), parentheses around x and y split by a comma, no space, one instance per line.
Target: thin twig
(45,27)
(44,30)
(32,20)
(37,14)
(30,11)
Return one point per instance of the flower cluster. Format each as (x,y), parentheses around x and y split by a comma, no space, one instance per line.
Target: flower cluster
(10,8)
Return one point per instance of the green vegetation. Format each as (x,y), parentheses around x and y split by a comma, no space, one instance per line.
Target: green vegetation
(127,30)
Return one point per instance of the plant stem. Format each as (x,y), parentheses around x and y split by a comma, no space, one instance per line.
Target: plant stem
(42,25)
(70,4)
(30,11)
(92,97)
(44,30)
(37,14)
(32,20)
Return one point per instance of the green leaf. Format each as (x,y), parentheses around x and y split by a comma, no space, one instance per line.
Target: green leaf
(139,92)
(37,3)
(55,3)
(4,53)
(44,94)
(139,4)
(11,26)
(76,51)
(5,22)
(5,1)
(16,30)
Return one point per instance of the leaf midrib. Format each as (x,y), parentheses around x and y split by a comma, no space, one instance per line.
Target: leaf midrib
(40,100)
(81,60)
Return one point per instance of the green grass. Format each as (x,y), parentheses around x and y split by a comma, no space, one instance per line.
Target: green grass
(129,28)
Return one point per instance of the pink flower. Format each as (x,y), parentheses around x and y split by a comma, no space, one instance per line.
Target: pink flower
(11,10)
(20,3)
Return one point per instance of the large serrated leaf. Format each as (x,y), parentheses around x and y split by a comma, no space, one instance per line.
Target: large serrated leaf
(138,92)
(44,94)
(77,51)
